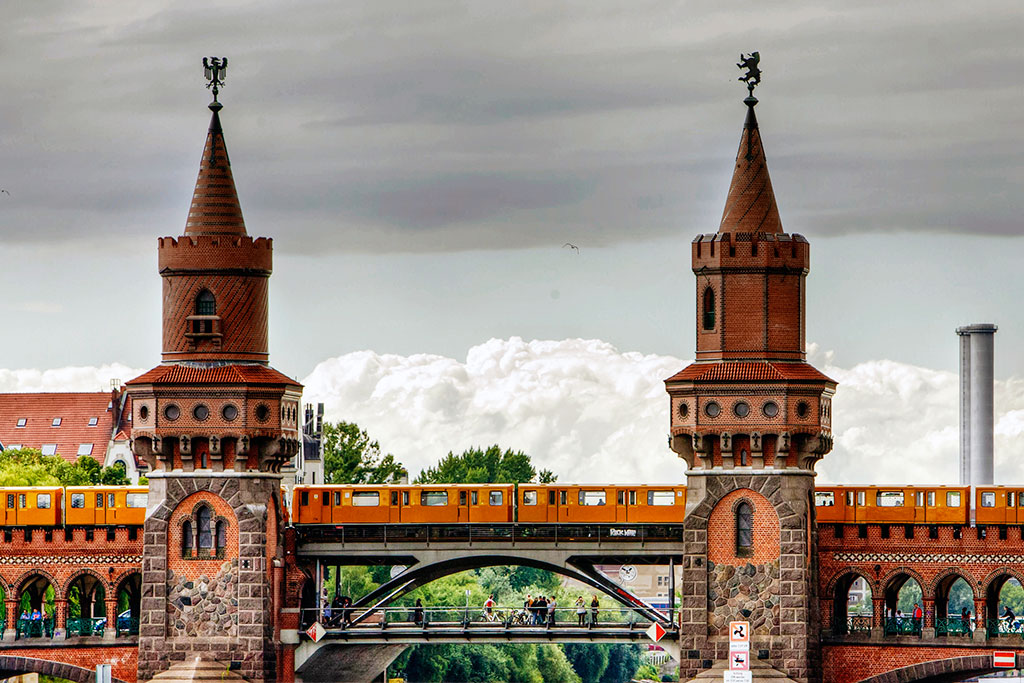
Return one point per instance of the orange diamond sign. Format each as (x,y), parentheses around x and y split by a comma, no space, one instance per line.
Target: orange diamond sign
(656,632)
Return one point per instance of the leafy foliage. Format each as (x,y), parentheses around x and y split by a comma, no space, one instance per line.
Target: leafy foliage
(350,457)
(29,467)
(478,466)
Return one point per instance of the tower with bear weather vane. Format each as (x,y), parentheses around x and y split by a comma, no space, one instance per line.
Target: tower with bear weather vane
(215,423)
(751,418)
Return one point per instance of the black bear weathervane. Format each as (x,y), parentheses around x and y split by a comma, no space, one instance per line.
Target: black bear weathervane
(753,76)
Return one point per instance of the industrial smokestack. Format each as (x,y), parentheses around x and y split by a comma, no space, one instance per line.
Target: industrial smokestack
(976,404)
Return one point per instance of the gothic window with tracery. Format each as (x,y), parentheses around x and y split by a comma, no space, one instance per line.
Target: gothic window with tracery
(744,529)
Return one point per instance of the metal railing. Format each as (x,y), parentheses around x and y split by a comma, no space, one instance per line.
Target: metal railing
(126,626)
(86,627)
(1003,628)
(509,533)
(952,626)
(859,623)
(475,618)
(903,626)
(34,628)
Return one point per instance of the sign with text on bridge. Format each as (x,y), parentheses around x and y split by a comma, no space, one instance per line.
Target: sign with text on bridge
(737,677)
(739,631)
(1004,659)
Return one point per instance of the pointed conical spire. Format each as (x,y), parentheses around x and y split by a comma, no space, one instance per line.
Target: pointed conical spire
(215,209)
(750,206)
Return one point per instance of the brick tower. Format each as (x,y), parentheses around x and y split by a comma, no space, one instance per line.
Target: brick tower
(751,418)
(215,423)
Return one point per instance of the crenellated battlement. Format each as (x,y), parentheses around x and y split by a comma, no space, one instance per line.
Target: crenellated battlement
(206,252)
(750,250)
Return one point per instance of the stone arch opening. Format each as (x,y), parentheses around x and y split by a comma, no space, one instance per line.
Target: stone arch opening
(954,605)
(904,606)
(11,666)
(129,600)
(37,607)
(1002,598)
(87,606)
(852,605)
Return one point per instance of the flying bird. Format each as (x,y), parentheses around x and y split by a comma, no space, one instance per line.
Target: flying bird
(571,246)
(6,192)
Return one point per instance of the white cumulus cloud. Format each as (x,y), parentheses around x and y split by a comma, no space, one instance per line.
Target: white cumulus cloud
(85,378)
(593,413)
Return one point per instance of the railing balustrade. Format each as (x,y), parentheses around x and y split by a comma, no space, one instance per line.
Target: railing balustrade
(638,534)
(1002,628)
(903,626)
(952,626)
(86,627)
(859,623)
(34,628)
(127,626)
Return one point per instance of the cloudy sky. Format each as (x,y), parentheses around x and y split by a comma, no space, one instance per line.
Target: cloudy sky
(421,164)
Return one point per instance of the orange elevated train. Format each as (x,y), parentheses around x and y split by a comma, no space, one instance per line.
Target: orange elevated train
(487,503)
(73,505)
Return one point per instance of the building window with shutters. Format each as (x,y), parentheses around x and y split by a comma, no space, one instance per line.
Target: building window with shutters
(204,323)
(744,529)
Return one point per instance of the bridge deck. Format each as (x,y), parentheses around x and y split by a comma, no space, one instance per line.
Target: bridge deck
(475,632)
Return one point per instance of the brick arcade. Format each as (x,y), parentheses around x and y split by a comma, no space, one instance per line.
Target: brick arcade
(214,574)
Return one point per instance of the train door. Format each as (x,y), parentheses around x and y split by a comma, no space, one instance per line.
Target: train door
(394,508)
(620,505)
(463,511)
(918,502)
(551,510)
(9,515)
(99,509)
(310,501)
(115,504)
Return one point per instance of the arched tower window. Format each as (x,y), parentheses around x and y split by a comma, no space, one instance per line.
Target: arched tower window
(206,305)
(709,309)
(222,535)
(744,529)
(205,530)
(186,539)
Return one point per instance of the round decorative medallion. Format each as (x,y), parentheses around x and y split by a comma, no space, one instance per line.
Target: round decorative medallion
(230,412)
(172,412)
(712,409)
(802,409)
(741,409)
(684,409)
(200,412)
(143,413)
(262,412)
(770,409)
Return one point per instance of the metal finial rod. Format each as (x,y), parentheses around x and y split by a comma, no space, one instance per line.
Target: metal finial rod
(216,70)
(753,75)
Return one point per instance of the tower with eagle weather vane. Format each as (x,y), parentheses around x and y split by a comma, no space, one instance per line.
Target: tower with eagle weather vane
(215,423)
(751,418)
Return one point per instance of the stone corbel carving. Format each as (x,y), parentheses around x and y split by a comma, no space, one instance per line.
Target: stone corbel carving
(186,445)
(158,444)
(755,441)
(214,445)
(783,448)
(726,439)
(243,445)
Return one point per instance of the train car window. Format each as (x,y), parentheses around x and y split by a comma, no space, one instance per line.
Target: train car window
(474,498)
(304,498)
(953,499)
(394,498)
(365,499)
(78,500)
(110,500)
(919,498)
(620,497)
(632,497)
(861,498)
(99,500)
(988,499)
(1020,500)
(22,500)
(496,498)
(462,497)
(1009,499)
(137,500)
(592,498)
(661,498)
(529,497)
(43,501)
(849,498)
(327,499)
(931,499)
(405,497)
(824,499)
(434,498)
(337,498)
(889,499)
(10,501)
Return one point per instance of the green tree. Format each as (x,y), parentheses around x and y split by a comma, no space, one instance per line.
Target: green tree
(554,666)
(115,475)
(478,466)
(350,457)
(588,661)
(29,467)
(623,661)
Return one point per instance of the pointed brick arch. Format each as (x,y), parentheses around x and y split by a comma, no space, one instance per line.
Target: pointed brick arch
(85,571)
(18,585)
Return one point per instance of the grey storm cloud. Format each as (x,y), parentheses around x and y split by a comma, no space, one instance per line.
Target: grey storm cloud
(443,126)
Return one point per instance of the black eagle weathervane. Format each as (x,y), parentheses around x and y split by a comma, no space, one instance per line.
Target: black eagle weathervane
(216,69)
(753,76)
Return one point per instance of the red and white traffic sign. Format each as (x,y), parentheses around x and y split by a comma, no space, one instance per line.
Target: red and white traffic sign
(739,660)
(316,632)
(655,632)
(739,631)
(1004,659)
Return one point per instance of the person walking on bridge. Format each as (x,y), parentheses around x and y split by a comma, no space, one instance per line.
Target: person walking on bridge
(581,611)
(594,604)
(552,606)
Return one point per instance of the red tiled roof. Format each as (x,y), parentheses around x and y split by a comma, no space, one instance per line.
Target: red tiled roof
(74,411)
(746,371)
(219,374)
